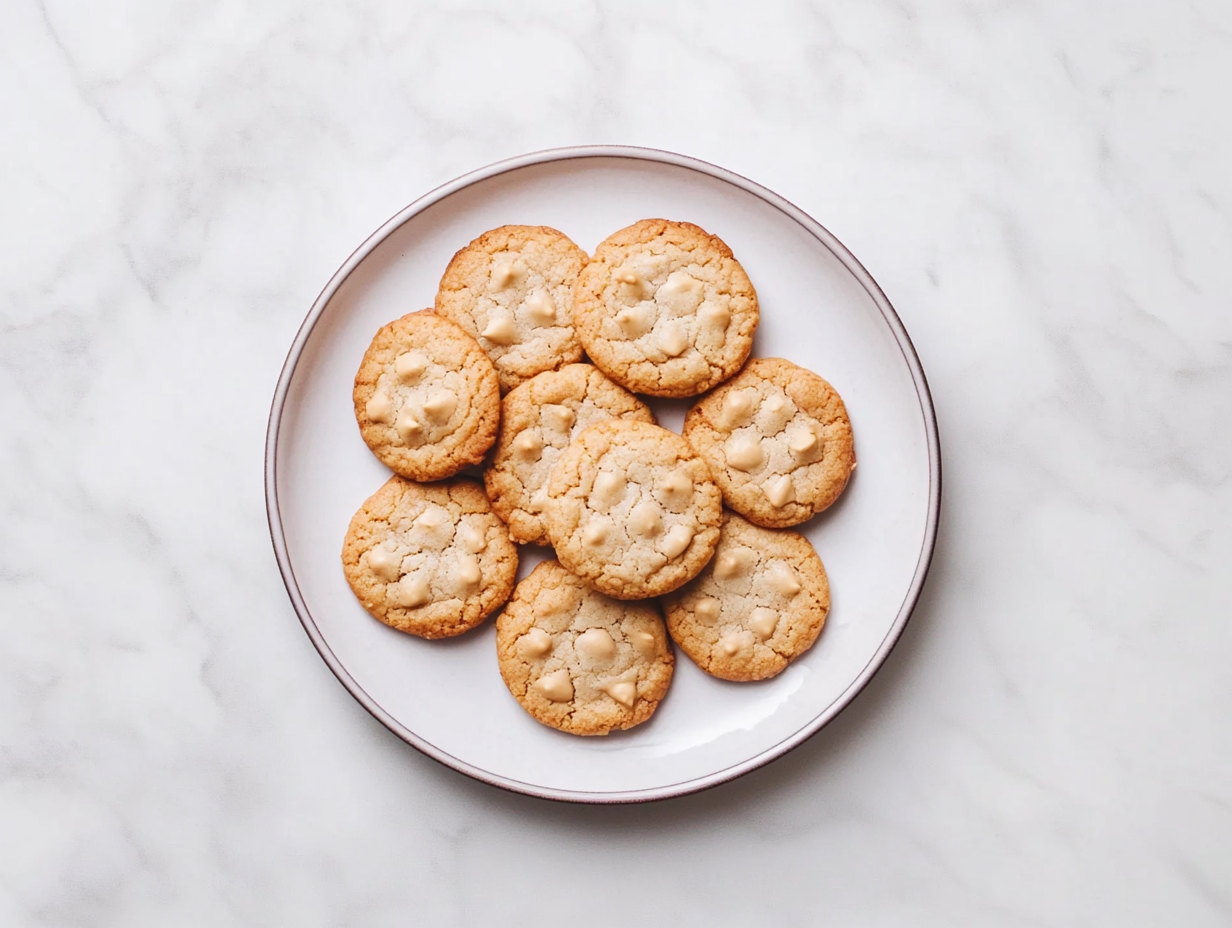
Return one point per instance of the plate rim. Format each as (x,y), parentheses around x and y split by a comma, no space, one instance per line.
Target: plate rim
(635,153)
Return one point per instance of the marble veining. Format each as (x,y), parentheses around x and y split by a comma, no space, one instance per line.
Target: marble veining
(1040,187)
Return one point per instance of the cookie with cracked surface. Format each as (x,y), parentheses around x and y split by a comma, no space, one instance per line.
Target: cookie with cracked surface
(427,398)
(632,510)
(538,421)
(664,308)
(778,441)
(429,559)
(512,289)
(759,604)
(579,661)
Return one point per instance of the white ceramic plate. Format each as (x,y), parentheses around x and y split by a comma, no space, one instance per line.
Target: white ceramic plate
(819,308)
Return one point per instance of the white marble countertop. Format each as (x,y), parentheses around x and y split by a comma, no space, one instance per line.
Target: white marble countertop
(1042,189)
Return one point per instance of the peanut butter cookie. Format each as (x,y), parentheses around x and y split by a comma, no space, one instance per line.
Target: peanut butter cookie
(432,560)
(538,421)
(427,398)
(579,661)
(759,604)
(778,441)
(512,289)
(664,308)
(632,509)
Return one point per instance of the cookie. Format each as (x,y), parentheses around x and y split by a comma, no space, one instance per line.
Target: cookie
(580,661)
(538,421)
(432,560)
(632,510)
(758,605)
(427,398)
(512,289)
(778,441)
(664,308)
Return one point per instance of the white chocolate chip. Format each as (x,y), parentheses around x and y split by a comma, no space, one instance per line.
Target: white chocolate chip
(380,408)
(471,538)
(735,562)
(609,488)
(541,307)
(410,365)
(707,610)
(646,519)
(714,319)
(623,692)
(744,453)
(412,592)
(673,338)
(434,526)
(535,643)
(779,490)
(440,406)
(528,445)
(407,427)
(635,321)
(681,292)
(633,285)
(507,270)
(556,686)
(677,540)
(387,565)
(539,500)
(738,408)
(560,418)
(644,643)
(776,410)
(676,490)
(762,622)
(731,644)
(469,573)
(802,441)
(500,329)
(595,532)
(595,644)
(783,579)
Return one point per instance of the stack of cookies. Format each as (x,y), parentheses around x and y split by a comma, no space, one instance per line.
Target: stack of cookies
(530,365)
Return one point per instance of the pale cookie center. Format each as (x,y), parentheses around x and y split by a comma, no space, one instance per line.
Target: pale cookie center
(419,398)
(672,317)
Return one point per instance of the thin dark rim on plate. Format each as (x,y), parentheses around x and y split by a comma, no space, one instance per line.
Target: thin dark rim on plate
(794,213)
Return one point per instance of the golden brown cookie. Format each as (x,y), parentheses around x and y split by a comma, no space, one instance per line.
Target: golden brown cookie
(664,308)
(538,421)
(429,559)
(778,441)
(512,289)
(579,661)
(759,604)
(427,398)
(632,509)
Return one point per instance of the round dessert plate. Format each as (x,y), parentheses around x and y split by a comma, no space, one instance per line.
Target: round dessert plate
(819,309)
